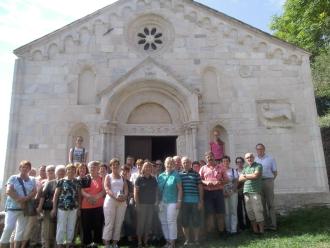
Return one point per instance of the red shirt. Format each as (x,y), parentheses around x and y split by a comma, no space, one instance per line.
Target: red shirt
(216,174)
(95,188)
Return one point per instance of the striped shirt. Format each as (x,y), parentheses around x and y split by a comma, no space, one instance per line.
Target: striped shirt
(252,186)
(190,182)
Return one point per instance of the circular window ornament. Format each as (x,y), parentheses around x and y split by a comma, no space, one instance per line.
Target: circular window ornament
(150,34)
(150,38)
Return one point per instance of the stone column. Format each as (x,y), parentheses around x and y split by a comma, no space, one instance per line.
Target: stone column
(193,127)
(107,131)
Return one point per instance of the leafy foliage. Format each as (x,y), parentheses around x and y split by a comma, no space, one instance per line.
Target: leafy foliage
(321,79)
(305,23)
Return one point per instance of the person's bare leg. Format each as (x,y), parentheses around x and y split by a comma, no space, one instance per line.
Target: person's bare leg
(17,244)
(186,234)
(145,239)
(254,226)
(210,223)
(196,234)
(261,227)
(220,222)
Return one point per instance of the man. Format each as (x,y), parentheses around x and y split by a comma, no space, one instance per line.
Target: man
(192,201)
(130,162)
(177,161)
(269,173)
(213,177)
(252,178)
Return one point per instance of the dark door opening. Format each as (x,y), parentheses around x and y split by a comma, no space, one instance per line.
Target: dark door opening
(150,147)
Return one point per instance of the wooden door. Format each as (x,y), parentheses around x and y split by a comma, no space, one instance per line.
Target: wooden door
(138,147)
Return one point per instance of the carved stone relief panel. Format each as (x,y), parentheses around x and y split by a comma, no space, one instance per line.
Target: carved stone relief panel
(149,129)
(274,113)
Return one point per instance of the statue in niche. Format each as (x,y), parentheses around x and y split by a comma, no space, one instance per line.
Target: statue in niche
(217,146)
(275,113)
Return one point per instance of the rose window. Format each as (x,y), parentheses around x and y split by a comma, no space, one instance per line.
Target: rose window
(150,39)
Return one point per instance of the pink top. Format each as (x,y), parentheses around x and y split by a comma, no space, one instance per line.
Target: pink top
(217,150)
(95,188)
(216,173)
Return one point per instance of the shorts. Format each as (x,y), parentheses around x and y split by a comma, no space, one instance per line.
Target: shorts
(191,216)
(214,202)
(254,207)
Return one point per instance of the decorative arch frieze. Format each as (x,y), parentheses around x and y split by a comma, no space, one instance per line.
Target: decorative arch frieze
(211,21)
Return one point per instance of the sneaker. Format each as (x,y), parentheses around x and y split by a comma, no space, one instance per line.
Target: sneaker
(186,243)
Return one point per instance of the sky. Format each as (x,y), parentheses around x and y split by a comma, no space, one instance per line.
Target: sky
(22,21)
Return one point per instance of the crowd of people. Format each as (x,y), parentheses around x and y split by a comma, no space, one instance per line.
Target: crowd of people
(142,200)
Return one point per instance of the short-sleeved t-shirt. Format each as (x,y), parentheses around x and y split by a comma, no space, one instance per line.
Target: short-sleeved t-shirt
(68,198)
(167,185)
(147,189)
(29,185)
(216,173)
(94,188)
(48,193)
(78,154)
(190,183)
(252,186)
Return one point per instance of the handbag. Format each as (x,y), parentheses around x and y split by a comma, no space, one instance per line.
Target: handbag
(28,207)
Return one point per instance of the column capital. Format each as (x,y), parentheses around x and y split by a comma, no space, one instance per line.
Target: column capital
(108,127)
(193,125)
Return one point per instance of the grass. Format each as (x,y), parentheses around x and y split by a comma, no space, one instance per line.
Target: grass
(302,228)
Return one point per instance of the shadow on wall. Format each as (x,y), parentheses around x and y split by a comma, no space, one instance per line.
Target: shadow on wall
(325,132)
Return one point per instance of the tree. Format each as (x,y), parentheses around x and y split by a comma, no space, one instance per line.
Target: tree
(305,23)
(321,79)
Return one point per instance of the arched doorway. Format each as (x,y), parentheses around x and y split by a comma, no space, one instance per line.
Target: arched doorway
(150,113)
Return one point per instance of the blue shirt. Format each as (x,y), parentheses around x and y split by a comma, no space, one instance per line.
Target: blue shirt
(167,185)
(190,183)
(29,185)
(268,165)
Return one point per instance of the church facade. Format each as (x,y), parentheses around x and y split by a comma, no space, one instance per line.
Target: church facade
(151,78)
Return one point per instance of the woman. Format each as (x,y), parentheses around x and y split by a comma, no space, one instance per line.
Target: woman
(20,189)
(170,197)
(48,224)
(92,207)
(78,153)
(129,224)
(134,176)
(145,190)
(230,193)
(82,175)
(103,171)
(114,206)
(243,220)
(65,206)
(217,147)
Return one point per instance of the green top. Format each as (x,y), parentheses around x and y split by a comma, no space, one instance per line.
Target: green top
(252,186)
